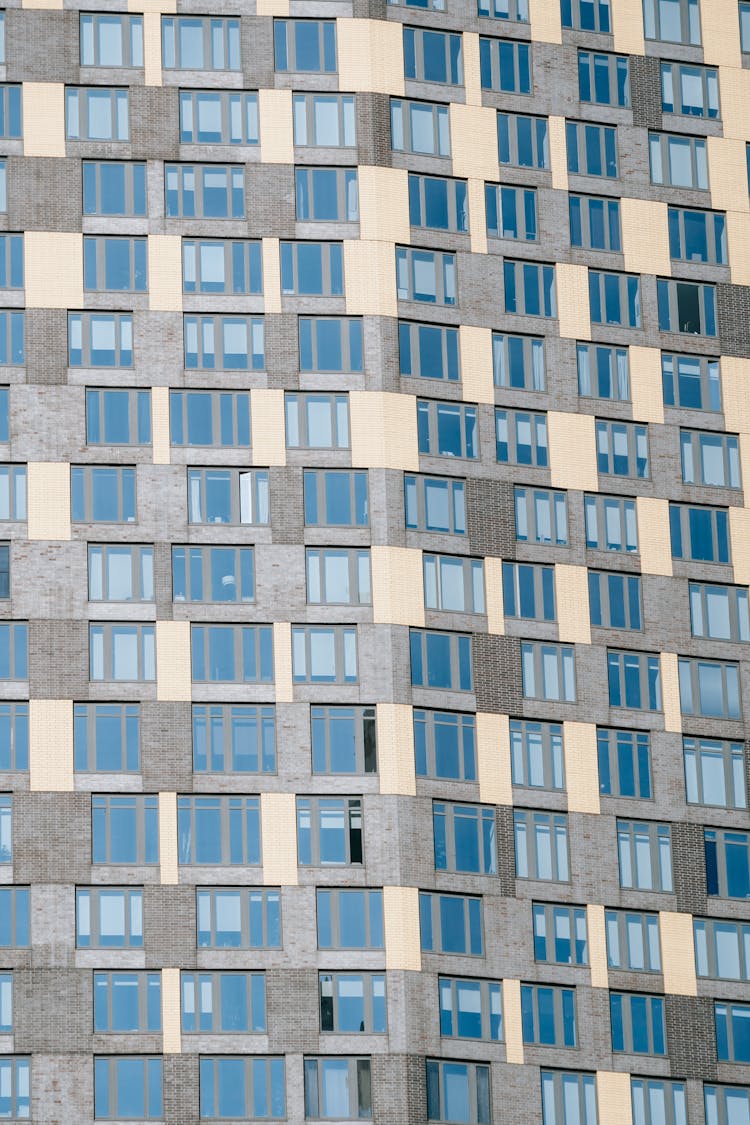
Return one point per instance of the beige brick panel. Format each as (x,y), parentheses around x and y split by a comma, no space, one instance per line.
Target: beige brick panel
(645,236)
(160,425)
(384,204)
(627,26)
(670,692)
(165,6)
(477,382)
(171,1019)
(383,430)
(744,443)
(545,22)
(738,240)
(474,141)
(493,594)
(278,833)
(395,738)
(268,428)
(272,7)
(677,953)
(48,499)
(718,22)
(727,174)
(477,215)
(51,745)
(165,272)
(48,4)
(572,444)
(558,153)
(573,309)
(646,391)
(654,543)
(152,73)
(43,118)
(735,383)
(168,868)
(572,597)
(597,939)
(371,56)
(581,767)
(397,586)
(401,926)
(739,542)
(734,91)
(271,275)
(493,759)
(173,668)
(53,269)
(613,1097)
(472,75)
(275,126)
(282,661)
(512,1021)
(370,278)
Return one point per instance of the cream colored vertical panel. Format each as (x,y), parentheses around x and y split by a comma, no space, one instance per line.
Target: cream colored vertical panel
(735,396)
(472,75)
(646,391)
(581,766)
(654,544)
(573,308)
(43,118)
(558,154)
(572,445)
(383,430)
(546,26)
(152,6)
(160,425)
(678,953)
(282,661)
(721,42)
(275,126)
(53,269)
(493,594)
(734,91)
(401,926)
(670,692)
(493,759)
(738,240)
(165,272)
(613,1097)
(49,4)
(171,1012)
(278,833)
(474,141)
(477,380)
(397,585)
(597,940)
(51,745)
(727,174)
(395,739)
(477,215)
(627,26)
(271,275)
(268,427)
(572,596)
(645,236)
(272,7)
(512,1021)
(48,499)
(173,672)
(383,204)
(739,541)
(152,75)
(370,278)
(168,868)
(370,55)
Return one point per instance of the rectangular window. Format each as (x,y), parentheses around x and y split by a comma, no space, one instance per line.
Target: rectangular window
(541,845)
(106,737)
(242,1087)
(633,941)
(447,429)
(4,571)
(329,831)
(438,203)
(603,372)
(603,78)
(464,838)
(429,351)
(522,141)
(324,120)
(560,934)
(615,600)
(330,343)
(420,127)
(11,261)
(317,421)
(521,438)
(435,504)
(224,343)
(516,10)
(425,275)
(672,21)
(433,56)
(722,949)
(615,299)
(238,918)
(122,652)
(233,496)
(312,269)
(690,91)
(709,688)
(445,745)
(458,1091)
(14,650)
(719,612)
(223,1003)
(218,831)
(306,46)
(234,738)
(548,1016)
(624,763)
(699,534)
(220,266)
(505,65)
(715,773)
(529,591)
(548,671)
(536,754)
(541,516)
(687,307)
(6,1003)
(230,654)
(645,855)
(611,523)
(127,1002)
(111,40)
(727,863)
(568,1098)
(350,919)
(200,43)
(441,660)
(99,339)
(94,113)
(109,918)
(451,924)
(15,1083)
(453,584)
(12,333)
(634,680)
(678,161)
(691,381)
(710,458)
(213,574)
(732,1021)
(121,573)
(587,15)
(118,417)
(6,829)
(697,236)
(338,576)
(745,26)
(128,1087)
(595,223)
(3,162)
(592,149)
(335,498)
(204,191)
(15,918)
(727,1104)
(529,288)
(352,1003)
(12,492)
(658,1102)
(10,110)
(343,740)
(432,5)
(326,195)
(637,1023)
(338,1086)
(218,117)
(471,1009)
(14,738)
(209,418)
(114,187)
(324,654)
(114,265)
(518,362)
